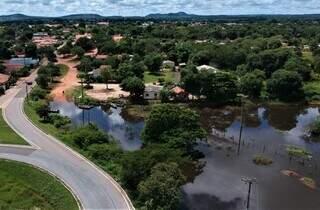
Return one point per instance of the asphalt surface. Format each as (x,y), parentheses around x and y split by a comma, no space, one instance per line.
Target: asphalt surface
(94,189)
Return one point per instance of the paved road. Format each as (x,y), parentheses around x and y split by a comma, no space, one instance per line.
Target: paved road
(95,189)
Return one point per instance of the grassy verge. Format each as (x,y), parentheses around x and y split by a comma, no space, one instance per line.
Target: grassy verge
(167,76)
(46,127)
(24,187)
(7,135)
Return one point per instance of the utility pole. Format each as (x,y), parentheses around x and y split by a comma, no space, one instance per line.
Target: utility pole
(249,181)
(27,94)
(242,97)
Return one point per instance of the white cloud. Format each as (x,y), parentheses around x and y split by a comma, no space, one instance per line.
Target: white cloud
(143,7)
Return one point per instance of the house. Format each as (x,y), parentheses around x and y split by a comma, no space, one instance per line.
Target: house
(181,66)
(14,64)
(4,81)
(179,94)
(168,65)
(43,40)
(152,92)
(40,34)
(103,23)
(117,37)
(97,72)
(208,68)
(87,35)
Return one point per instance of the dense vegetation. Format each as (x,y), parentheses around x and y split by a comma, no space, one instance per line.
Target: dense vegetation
(266,61)
(239,49)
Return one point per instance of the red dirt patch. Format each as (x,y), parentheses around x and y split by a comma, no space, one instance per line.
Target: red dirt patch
(69,81)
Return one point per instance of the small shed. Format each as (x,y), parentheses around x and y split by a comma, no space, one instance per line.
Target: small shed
(208,68)
(179,94)
(152,92)
(168,65)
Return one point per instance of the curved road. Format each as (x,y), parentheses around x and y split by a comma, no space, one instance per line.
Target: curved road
(94,189)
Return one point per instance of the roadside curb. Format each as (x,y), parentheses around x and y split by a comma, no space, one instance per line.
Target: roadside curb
(106,175)
(54,176)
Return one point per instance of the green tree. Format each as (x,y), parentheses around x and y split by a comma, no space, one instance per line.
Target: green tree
(317,65)
(173,125)
(88,135)
(31,50)
(138,164)
(134,85)
(106,76)
(48,52)
(85,43)
(162,189)
(2,68)
(219,87)
(285,85)
(78,51)
(43,81)
(42,109)
(298,65)
(153,62)
(66,49)
(251,85)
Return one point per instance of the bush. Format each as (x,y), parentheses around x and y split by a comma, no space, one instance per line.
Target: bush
(2,91)
(37,93)
(23,72)
(85,136)
(297,152)
(314,130)
(105,152)
(59,121)
(42,109)
(312,91)
(261,160)
(285,85)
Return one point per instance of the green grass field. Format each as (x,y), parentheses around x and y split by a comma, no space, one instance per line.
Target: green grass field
(7,135)
(167,76)
(24,187)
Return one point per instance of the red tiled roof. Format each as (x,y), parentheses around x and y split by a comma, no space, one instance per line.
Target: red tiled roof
(178,90)
(4,78)
(12,67)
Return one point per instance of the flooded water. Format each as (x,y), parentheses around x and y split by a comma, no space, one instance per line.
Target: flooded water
(109,120)
(267,130)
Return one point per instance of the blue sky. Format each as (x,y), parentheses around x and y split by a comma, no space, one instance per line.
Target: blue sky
(143,7)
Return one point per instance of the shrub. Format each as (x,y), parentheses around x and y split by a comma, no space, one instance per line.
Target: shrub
(261,160)
(38,93)
(42,109)
(85,136)
(59,121)
(297,152)
(2,91)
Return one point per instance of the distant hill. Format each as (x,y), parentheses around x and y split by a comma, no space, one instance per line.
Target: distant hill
(82,17)
(21,17)
(15,17)
(179,15)
(169,16)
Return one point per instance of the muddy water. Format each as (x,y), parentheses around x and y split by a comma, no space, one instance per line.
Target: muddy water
(267,130)
(109,120)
